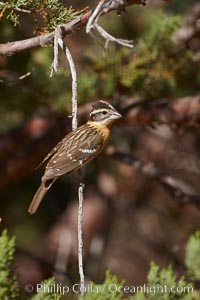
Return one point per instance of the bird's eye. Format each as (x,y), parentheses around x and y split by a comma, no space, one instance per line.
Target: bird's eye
(104,112)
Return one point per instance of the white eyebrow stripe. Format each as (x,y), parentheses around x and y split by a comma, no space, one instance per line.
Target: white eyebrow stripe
(99,110)
(94,112)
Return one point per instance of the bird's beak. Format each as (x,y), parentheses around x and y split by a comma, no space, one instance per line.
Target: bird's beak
(116,115)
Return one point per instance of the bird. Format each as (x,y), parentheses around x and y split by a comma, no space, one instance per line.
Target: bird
(77,148)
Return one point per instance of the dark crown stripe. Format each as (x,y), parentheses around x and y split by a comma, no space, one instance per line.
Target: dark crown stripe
(101,105)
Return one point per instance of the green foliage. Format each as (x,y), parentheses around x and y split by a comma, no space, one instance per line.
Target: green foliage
(9,288)
(192,256)
(58,14)
(152,69)
(163,285)
(43,293)
(158,36)
(156,68)
(8,284)
(86,82)
(11,9)
(52,12)
(104,291)
(162,276)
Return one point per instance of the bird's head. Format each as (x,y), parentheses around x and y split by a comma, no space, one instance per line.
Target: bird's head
(103,113)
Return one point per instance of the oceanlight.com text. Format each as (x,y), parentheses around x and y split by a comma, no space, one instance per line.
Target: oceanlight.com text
(109,288)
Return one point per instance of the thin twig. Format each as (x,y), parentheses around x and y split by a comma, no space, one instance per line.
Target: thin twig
(24,75)
(60,42)
(109,38)
(80,236)
(54,66)
(92,24)
(16,80)
(74,82)
(7,5)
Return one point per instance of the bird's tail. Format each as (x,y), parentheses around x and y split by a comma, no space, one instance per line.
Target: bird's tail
(43,188)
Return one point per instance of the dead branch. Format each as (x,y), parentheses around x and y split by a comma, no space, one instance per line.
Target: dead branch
(54,65)
(14,81)
(59,40)
(93,25)
(80,235)
(37,136)
(46,39)
(94,15)
(81,185)
(178,114)
(173,186)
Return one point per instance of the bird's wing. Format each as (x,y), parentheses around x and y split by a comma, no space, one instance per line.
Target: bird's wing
(59,145)
(77,149)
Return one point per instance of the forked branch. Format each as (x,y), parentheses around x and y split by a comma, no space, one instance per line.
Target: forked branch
(46,39)
(93,24)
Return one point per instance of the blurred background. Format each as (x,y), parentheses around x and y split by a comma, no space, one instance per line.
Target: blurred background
(130,218)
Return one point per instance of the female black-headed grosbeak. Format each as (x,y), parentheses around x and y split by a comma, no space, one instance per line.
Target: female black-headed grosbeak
(77,148)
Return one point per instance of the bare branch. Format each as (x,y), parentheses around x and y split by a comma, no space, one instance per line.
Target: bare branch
(182,112)
(80,239)
(94,15)
(109,38)
(58,40)
(173,186)
(74,81)
(24,75)
(178,114)
(77,23)
(92,24)
(54,66)
(16,80)
(9,6)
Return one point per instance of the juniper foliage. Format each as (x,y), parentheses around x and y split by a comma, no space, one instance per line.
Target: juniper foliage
(192,256)
(9,288)
(52,12)
(162,283)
